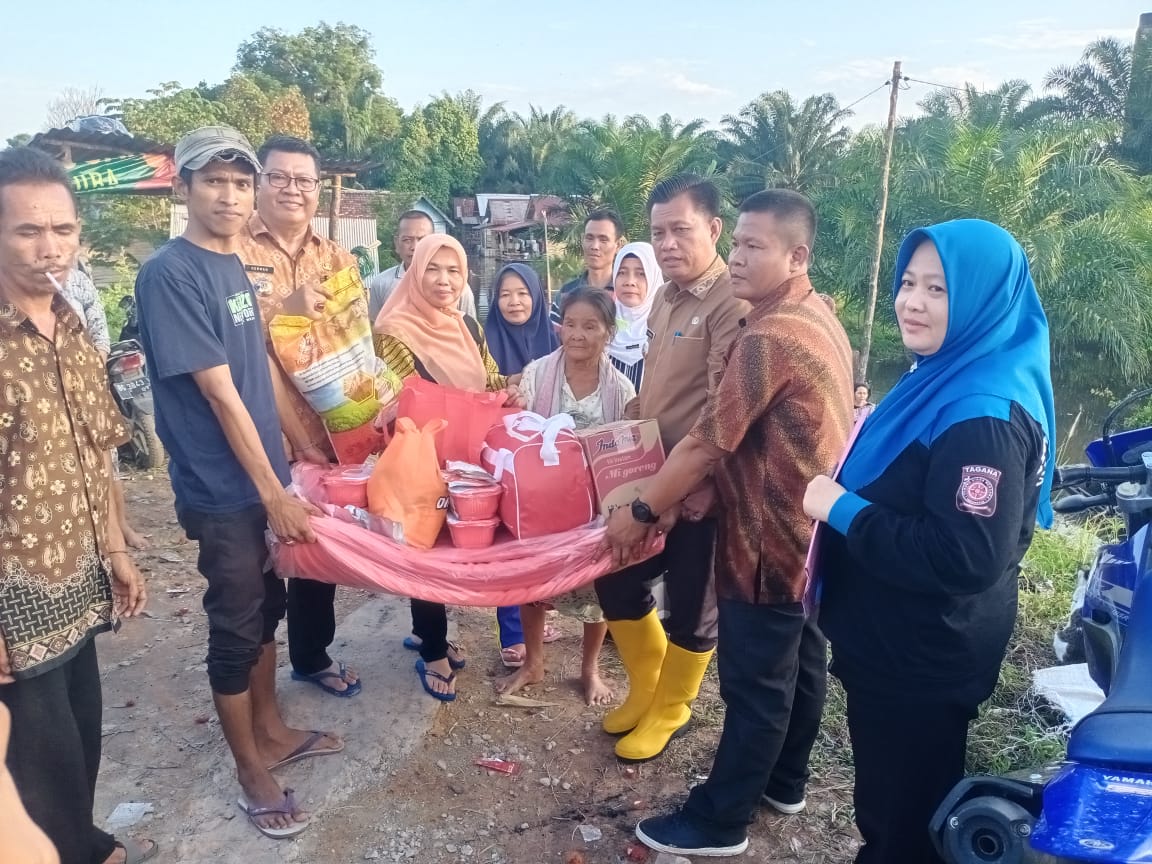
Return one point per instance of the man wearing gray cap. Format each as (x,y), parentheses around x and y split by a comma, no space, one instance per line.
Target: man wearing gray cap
(216,414)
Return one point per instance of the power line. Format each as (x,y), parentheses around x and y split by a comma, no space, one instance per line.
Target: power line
(934,84)
(865,96)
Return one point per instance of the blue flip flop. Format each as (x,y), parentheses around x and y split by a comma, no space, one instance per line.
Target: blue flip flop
(320,677)
(413,644)
(423,671)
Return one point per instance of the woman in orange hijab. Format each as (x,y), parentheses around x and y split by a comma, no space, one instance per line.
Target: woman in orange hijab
(420,331)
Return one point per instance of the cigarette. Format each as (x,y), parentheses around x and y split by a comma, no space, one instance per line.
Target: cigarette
(54,281)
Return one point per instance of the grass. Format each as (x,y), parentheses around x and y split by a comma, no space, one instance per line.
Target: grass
(1016,729)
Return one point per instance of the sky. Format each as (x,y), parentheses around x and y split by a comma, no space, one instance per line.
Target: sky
(688,58)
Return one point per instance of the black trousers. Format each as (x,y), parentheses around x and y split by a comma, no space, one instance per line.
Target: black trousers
(430,625)
(773,667)
(311,624)
(54,754)
(245,600)
(686,563)
(908,754)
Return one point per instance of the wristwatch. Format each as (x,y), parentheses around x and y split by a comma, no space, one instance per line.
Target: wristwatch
(641,512)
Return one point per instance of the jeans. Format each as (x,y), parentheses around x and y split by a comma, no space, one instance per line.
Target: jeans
(908,754)
(245,601)
(686,563)
(54,754)
(311,624)
(773,680)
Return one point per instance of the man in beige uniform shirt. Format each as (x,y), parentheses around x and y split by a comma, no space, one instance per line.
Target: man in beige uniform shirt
(692,326)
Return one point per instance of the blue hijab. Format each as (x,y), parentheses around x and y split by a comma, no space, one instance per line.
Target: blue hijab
(514,346)
(995,352)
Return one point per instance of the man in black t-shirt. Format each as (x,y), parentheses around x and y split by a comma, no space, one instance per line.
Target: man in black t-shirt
(216,413)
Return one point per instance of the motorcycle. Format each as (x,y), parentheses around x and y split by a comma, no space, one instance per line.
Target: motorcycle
(132,391)
(1096,806)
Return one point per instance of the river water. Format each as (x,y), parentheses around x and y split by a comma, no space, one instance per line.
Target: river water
(1079,412)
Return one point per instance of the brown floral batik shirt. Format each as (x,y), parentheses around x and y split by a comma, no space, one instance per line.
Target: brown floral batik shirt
(57,424)
(782,412)
(276,275)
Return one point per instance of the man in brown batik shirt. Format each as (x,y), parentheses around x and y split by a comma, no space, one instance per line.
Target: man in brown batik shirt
(780,414)
(287,263)
(65,573)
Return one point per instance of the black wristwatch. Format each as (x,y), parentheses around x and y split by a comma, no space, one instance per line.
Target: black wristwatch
(641,512)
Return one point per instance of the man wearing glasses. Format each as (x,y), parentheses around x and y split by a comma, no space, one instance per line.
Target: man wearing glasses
(288,263)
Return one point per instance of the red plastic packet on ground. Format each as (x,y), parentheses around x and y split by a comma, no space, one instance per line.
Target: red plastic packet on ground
(512,769)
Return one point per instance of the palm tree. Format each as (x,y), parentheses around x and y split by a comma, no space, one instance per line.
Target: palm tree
(541,138)
(1080,214)
(1097,87)
(777,143)
(1008,105)
(616,163)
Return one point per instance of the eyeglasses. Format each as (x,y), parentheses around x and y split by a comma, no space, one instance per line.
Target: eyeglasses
(282,181)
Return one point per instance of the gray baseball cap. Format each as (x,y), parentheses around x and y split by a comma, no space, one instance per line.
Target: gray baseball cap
(201,146)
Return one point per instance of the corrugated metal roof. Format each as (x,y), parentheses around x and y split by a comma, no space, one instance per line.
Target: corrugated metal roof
(106,144)
(502,211)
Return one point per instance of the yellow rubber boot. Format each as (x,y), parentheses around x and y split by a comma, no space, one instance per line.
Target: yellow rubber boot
(641,645)
(679,684)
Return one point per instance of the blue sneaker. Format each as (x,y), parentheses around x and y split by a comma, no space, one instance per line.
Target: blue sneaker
(678,835)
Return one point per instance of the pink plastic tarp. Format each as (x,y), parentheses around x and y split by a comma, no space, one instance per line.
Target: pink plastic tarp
(508,573)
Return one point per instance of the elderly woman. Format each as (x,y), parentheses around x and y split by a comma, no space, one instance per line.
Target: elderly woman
(579,380)
(636,279)
(934,508)
(420,331)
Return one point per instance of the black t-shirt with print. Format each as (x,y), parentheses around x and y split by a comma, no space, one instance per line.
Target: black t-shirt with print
(198,310)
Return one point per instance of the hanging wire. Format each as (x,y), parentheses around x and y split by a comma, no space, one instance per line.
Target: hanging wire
(865,96)
(934,84)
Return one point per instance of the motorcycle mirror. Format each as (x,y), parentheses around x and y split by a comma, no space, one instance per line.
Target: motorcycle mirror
(126,301)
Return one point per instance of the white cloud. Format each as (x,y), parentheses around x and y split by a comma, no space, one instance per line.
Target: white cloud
(666,76)
(1043,35)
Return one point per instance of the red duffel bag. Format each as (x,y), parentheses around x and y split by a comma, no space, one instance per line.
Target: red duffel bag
(469,416)
(541,465)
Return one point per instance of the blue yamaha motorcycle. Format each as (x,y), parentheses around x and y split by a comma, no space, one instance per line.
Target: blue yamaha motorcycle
(1097,805)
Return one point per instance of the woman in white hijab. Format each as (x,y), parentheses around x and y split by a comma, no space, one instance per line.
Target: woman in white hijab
(636,279)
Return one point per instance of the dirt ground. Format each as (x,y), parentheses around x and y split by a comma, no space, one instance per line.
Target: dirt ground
(406,788)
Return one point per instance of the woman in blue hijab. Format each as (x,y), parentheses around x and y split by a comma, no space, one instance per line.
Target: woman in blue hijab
(518,330)
(934,509)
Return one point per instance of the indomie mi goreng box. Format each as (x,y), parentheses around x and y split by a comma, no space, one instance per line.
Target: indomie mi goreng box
(623,457)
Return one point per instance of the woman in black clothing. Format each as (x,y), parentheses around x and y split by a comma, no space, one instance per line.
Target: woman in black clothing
(939,497)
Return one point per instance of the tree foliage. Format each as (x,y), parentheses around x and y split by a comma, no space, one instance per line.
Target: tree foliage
(1060,169)
(439,150)
(173,111)
(335,70)
(775,142)
(74,102)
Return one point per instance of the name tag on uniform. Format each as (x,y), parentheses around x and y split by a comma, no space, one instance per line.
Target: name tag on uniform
(259,268)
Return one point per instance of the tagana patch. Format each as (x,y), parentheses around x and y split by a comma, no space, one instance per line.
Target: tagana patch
(977,492)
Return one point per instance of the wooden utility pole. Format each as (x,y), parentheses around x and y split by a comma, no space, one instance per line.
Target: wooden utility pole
(334,205)
(547,263)
(874,275)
